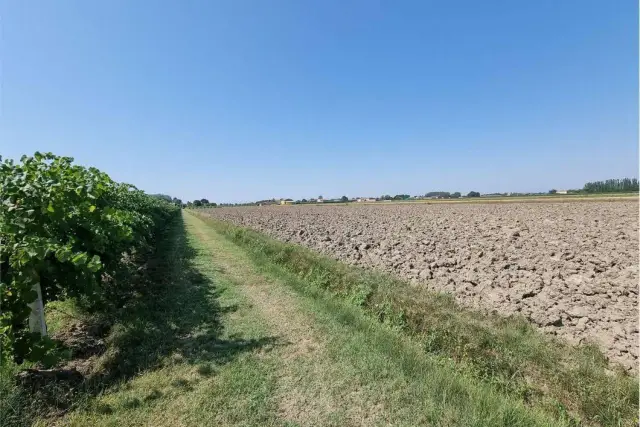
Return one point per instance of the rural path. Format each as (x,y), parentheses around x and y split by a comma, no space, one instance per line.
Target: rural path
(307,389)
(249,346)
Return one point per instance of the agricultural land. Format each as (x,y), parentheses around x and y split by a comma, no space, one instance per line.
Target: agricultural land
(122,308)
(570,268)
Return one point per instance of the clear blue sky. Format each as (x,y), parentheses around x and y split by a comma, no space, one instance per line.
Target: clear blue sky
(244,100)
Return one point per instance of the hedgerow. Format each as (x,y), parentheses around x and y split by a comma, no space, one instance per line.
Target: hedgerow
(71,230)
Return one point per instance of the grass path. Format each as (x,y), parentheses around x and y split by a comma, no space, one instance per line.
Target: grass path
(251,345)
(306,378)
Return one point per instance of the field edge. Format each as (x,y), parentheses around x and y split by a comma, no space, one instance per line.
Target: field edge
(507,352)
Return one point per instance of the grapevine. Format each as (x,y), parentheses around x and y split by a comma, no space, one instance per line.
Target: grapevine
(65,228)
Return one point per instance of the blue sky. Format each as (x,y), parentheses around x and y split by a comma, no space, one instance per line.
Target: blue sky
(244,100)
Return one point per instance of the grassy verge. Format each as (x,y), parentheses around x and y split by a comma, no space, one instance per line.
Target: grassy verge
(162,354)
(569,383)
(194,349)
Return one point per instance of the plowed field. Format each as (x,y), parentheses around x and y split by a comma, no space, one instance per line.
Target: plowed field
(570,268)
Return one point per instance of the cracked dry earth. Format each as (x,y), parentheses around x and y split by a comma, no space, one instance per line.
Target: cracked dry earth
(570,268)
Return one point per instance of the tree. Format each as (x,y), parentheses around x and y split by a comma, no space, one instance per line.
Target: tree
(553,191)
(438,194)
(344,199)
(197,203)
(204,202)
(456,195)
(473,194)
(612,186)
(304,200)
(162,196)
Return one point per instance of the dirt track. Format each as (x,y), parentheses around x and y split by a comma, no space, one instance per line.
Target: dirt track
(571,268)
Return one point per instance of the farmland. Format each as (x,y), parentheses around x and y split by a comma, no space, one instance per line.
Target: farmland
(569,268)
(118,308)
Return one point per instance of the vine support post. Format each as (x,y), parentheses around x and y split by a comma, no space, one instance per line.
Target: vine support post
(36,318)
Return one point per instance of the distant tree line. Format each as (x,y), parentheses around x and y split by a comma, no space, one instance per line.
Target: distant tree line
(343,199)
(609,186)
(625,185)
(396,197)
(200,203)
(447,195)
(441,194)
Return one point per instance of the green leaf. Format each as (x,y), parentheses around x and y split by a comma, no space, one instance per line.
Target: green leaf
(79,259)
(92,208)
(95,264)
(50,208)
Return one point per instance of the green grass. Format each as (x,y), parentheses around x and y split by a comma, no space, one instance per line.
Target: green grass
(507,353)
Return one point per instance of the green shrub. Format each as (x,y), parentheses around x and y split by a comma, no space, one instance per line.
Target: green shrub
(70,229)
